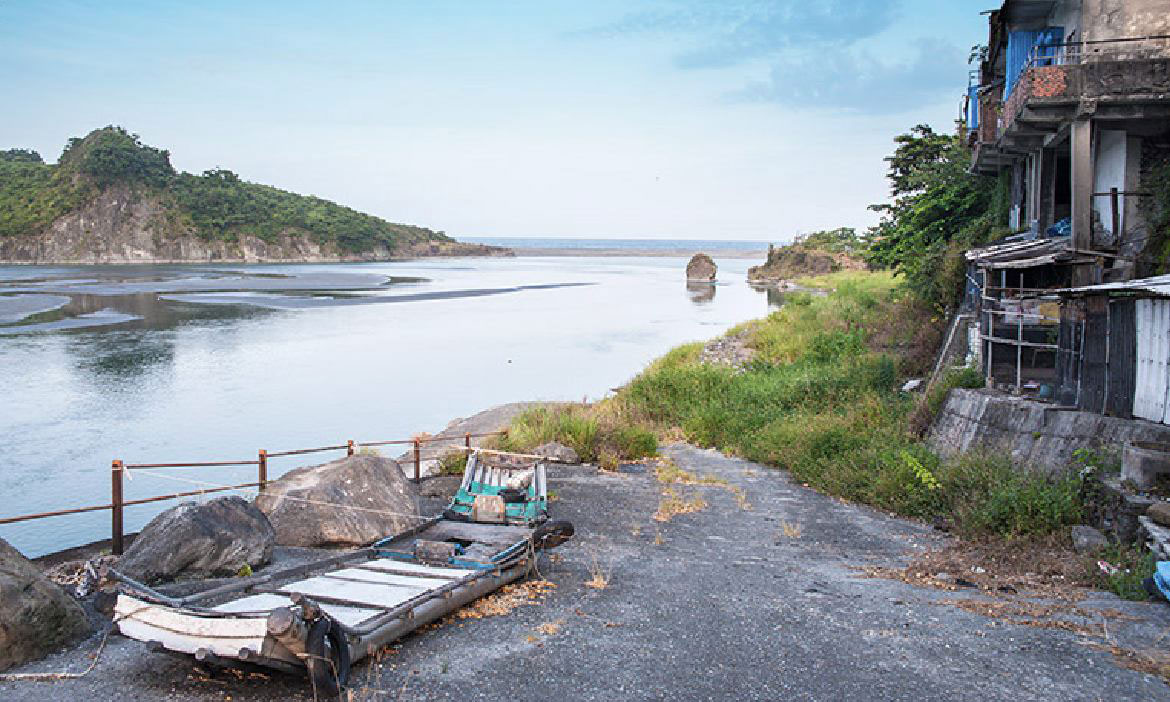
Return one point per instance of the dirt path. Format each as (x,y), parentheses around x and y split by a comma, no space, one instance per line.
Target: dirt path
(723,603)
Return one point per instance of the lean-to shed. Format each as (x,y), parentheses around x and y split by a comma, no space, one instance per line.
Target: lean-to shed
(1119,341)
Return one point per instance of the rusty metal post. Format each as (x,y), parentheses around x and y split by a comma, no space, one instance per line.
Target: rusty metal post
(467,440)
(417,460)
(349,447)
(262,469)
(116,500)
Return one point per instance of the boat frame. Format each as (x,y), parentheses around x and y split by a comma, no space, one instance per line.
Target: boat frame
(321,616)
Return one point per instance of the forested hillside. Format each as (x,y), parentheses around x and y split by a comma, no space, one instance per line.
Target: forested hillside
(112,168)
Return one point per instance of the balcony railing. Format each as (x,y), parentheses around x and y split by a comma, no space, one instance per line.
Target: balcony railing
(1092,69)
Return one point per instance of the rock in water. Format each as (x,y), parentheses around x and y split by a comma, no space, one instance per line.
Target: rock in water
(308,506)
(38,616)
(217,537)
(557,452)
(701,268)
(1086,539)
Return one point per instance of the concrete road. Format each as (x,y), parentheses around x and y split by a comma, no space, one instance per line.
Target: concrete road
(725,603)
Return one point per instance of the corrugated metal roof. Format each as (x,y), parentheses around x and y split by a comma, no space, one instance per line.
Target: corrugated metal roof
(1020,254)
(1158,285)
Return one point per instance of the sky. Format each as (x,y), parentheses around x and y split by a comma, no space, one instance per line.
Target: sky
(732,119)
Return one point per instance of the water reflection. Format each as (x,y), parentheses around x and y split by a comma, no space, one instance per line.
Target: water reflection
(701,293)
(121,360)
(774,295)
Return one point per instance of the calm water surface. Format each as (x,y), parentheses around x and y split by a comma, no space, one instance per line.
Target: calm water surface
(201,363)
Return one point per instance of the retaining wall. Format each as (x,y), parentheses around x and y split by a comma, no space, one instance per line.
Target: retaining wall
(1034,433)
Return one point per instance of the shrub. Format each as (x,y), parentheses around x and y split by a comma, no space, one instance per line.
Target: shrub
(988,494)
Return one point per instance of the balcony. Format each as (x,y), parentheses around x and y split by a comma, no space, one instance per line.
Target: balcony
(1115,80)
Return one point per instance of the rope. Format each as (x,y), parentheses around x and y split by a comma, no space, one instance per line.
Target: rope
(227,488)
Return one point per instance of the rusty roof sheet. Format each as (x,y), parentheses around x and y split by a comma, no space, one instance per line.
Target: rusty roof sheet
(1021,254)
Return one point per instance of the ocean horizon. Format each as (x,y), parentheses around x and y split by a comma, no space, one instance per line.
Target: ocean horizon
(572,243)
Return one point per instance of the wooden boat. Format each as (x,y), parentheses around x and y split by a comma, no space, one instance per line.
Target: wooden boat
(320,617)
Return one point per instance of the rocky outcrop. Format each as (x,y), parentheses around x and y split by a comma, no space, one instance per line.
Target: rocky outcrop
(786,263)
(38,616)
(349,502)
(217,537)
(557,452)
(121,225)
(701,268)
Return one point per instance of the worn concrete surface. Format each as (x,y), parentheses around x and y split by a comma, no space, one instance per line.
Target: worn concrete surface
(726,603)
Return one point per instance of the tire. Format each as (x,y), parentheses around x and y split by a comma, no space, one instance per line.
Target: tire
(328,660)
(1153,590)
(552,534)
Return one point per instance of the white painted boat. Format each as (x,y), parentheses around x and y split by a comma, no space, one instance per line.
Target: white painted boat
(320,617)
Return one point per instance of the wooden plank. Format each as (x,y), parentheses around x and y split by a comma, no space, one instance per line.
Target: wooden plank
(416,582)
(350,616)
(373,575)
(1145,371)
(496,534)
(393,565)
(1122,359)
(353,593)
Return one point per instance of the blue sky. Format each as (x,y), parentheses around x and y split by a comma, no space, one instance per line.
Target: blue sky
(738,119)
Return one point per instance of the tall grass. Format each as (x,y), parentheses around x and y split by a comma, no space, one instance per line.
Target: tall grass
(820,400)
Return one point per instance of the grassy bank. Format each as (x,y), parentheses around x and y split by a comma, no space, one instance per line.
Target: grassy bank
(821,400)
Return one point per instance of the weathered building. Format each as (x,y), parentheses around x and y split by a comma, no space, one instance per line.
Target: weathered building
(1073,98)
(1070,107)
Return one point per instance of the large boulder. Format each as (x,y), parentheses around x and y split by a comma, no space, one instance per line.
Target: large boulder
(350,502)
(217,537)
(701,268)
(557,452)
(38,616)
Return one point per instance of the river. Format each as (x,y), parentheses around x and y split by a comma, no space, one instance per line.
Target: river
(202,363)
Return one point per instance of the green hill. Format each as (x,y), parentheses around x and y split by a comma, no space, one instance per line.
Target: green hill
(158,207)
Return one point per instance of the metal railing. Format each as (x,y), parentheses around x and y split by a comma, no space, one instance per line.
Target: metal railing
(119,470)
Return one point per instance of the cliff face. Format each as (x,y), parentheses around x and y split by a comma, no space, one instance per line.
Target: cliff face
(123,226)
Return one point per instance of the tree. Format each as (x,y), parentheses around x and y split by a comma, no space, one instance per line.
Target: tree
(21,156)
(114,155)
(939,208)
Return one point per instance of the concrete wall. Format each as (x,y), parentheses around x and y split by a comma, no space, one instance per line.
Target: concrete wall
(1030,431)
(1118,19)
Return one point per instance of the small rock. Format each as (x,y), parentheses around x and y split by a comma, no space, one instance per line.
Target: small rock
(1160,513)
(1086,539)
(701,268)
(557,452)
(38,616)
(216,537)
(913,385)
